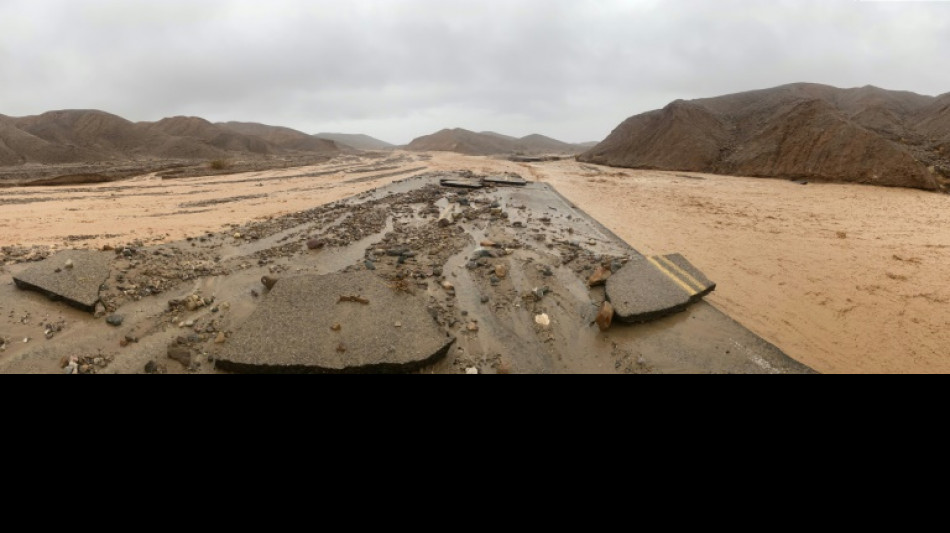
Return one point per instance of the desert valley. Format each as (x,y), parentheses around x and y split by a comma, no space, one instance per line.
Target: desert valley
(797,229)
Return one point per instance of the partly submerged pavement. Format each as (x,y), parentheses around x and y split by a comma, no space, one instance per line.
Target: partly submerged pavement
(443,273)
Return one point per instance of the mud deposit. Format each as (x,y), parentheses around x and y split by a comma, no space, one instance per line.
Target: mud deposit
(503,270)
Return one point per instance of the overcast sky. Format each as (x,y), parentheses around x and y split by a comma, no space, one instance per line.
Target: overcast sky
(397,69)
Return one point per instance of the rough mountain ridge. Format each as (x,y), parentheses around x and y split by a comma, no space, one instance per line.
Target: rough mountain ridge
(799,131)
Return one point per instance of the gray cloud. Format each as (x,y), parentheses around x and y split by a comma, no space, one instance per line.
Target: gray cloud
(572,69)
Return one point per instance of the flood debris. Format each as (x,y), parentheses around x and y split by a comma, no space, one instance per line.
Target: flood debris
(73,277)
(648,288)
(288,331)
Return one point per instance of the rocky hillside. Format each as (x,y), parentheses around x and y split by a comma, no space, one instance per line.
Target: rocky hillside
(865,135)
(490,143)
(89,136)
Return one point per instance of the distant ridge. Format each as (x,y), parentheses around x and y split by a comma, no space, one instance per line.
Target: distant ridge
(92,136)
(490,143)
(802,131)
(358,141)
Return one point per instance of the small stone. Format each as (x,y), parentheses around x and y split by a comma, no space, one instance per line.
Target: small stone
(543,320)
(398,324)
(221,338)
(336,327)
(471,265)
(488,244)
(123,343)
(151,367)
(190,324)
(69,264)
(100,310)
(437,271)
(501,271)
(115,320)
(447,285)
(473,327)
(605,317)
(182,355)
(269,282)
(369,265)
(485,299)
(237,235)
(315,244)
(471,371)
(599,277)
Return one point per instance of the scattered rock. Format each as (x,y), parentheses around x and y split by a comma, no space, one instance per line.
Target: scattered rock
(69,264)
(336,327)
(316,244)
(472,327)
(115,320)
(180,354)
(501,271)
(221,338)
(269,282)
(543,320)
(152,367)
(447,285)
(488,244)
(599,277)
(605,317)
(472,371)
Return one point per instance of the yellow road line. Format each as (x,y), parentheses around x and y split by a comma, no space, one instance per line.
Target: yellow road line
(689,290)
(684,275)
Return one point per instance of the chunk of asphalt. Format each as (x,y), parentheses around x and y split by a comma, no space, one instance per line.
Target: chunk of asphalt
(462,184)
(76,286)
(506,181)
(649,288)
(338,323)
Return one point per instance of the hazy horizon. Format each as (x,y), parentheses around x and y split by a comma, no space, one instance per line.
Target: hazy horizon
(396,70)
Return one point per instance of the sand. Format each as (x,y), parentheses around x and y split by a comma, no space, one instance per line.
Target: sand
(844,278)
(156,211)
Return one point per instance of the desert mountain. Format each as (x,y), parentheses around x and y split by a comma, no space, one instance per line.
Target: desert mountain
(89,136)
(216,136)
(284,138)
(358,141)
(489,143)
(866,135)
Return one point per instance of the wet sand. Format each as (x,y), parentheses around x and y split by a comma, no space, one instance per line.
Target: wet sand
(844,278)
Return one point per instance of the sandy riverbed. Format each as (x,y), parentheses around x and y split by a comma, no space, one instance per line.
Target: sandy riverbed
(844,278)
